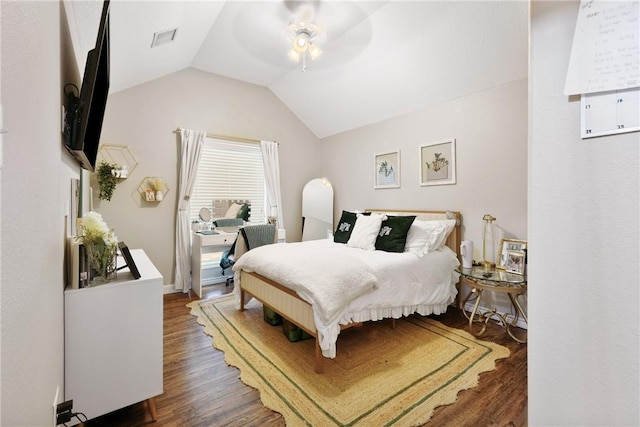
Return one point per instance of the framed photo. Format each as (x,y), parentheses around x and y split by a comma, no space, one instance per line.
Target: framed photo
(149,195)
(126,254)
(508,245)
(438,163)
(515,262)
(387,170)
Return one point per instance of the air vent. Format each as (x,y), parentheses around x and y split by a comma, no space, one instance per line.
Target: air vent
(163,37)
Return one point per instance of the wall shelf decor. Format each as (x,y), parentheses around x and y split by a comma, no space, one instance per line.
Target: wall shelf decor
(153,189)
(119,155)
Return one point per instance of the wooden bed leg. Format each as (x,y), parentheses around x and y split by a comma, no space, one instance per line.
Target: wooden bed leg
(241,300)
(319,362)
(393,323)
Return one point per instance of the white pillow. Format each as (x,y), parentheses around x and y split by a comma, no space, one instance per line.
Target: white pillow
(427,236)
(450,224)
(233,210)
(365,231)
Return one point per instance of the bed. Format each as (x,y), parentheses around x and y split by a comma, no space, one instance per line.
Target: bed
(381,284)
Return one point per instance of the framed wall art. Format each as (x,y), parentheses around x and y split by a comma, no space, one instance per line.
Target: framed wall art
(438,163)
(387,170)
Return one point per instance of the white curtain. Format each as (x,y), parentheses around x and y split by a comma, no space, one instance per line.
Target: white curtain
(272,180)
(191,142)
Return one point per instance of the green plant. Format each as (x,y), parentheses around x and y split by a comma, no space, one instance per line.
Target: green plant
(106,180)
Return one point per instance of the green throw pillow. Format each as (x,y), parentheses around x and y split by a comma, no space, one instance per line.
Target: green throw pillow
(393,233)
(344,227)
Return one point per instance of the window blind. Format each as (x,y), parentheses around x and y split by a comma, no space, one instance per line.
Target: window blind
(230,170)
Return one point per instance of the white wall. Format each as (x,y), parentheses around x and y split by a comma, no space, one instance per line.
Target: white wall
(1,152)
(36,176)
(144,118)
(490,128)
(583,264)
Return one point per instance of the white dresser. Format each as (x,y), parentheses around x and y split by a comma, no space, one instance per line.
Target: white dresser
(203,243)
(113,341)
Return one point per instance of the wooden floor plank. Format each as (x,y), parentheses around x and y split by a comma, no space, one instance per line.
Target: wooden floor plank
(200,389)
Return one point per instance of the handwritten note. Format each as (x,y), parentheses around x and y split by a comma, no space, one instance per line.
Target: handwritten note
(605,54)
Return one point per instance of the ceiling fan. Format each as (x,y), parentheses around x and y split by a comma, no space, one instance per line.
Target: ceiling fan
(304,34)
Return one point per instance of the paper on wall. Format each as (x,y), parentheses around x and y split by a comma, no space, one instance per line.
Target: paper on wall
(605,54)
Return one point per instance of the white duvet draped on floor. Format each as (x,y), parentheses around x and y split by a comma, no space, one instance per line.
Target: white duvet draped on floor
(346,285)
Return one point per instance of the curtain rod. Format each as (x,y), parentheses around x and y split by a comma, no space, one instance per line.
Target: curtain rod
(227,137)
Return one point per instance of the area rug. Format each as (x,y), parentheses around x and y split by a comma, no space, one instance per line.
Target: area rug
(381,376)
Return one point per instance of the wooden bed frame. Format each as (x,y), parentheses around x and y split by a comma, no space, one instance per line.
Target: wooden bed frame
(290,306)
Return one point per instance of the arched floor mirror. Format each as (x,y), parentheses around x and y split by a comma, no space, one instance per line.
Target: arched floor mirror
(317,209)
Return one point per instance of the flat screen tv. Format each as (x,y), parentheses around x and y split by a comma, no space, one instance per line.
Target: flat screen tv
(86,111)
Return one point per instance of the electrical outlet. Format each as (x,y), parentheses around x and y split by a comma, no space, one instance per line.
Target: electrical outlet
(63,411)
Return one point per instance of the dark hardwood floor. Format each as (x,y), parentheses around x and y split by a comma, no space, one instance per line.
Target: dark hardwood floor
(200,389)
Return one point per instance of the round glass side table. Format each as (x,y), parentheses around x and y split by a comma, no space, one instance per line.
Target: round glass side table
(479,280)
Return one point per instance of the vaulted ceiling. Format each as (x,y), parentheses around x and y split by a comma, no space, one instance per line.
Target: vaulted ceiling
(380,59)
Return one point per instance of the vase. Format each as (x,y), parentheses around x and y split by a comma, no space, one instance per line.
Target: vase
(102,263)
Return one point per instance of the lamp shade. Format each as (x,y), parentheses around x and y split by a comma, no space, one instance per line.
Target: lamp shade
(314,51)
(294,55)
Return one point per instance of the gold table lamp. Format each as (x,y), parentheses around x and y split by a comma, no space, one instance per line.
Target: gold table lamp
(487,228)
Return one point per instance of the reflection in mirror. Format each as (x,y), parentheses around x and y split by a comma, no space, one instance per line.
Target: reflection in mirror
(232,208)
(317,209)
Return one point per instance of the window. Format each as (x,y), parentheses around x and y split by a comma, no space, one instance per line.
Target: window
(230,170)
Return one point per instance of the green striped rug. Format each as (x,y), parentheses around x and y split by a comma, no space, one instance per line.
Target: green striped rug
(381,376)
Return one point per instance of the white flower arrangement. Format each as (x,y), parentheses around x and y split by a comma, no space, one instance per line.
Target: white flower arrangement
(94,230)
(100,243)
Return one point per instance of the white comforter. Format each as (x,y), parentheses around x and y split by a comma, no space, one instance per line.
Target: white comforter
(346,285)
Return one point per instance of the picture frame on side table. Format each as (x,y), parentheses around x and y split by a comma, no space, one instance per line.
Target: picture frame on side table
(515,262)
(508,245)
(386,170)
(438,163)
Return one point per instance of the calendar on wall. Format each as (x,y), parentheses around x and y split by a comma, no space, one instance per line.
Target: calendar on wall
(604,67)
(609,113)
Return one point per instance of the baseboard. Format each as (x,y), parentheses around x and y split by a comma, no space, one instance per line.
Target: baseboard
(170,289)
(508,316)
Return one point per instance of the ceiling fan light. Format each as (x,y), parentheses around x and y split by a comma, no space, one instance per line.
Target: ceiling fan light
(314,51)
(295,56)
(300,42)
(303,37)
